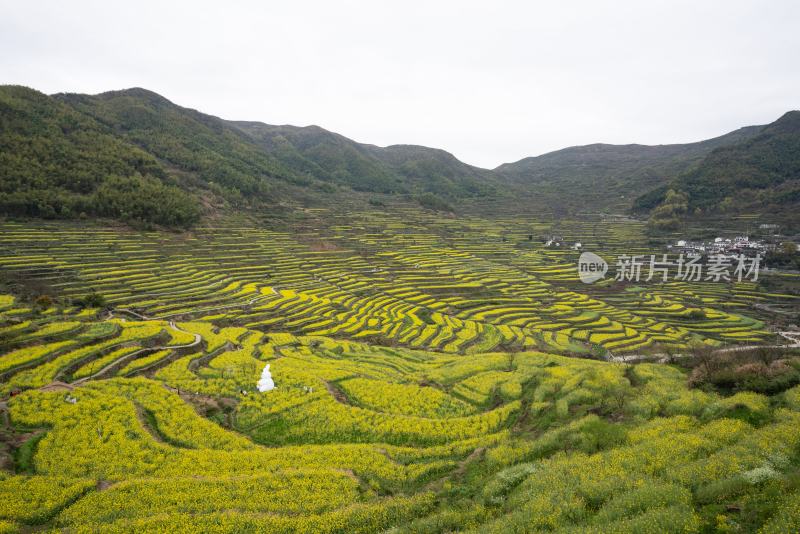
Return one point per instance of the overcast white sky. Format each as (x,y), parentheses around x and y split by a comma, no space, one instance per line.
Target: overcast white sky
(489,81)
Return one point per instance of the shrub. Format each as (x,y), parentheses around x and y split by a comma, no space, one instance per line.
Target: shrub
(433,202)
(92,300)
(43,302)
(500,485)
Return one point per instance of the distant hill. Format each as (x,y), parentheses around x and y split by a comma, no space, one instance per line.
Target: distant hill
(395,169)
(326,156)
(134,156)
(603,176)
(218,155)
(758,174)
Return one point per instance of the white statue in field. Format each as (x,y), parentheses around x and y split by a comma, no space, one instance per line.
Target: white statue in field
(265,383)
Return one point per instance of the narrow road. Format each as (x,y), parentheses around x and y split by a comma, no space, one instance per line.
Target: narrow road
(197,340)
(202,310)
(772,309)
(336,393)
(793,337)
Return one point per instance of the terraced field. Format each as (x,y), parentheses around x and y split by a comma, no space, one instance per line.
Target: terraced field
(426,381)
(455,286)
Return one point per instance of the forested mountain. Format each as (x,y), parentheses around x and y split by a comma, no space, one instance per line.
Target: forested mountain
(218,155)
(606,176)
(758,174)
(135,156)
(325,155)
(58,162)
(395,169)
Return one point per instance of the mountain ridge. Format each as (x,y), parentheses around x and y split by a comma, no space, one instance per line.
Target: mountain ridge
(615,174)
(760,173)
(59,152)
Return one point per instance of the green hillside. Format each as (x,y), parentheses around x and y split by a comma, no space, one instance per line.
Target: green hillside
(323,155)
(759,174)
(56,162)
(397,169)
(134,156)
(218,156)
(603,176)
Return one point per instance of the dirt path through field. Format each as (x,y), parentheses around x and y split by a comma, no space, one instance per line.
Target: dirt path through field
(794,337)
(197,340)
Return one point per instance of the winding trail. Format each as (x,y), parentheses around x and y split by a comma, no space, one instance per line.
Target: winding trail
(793,337)
(142,417)
(772,309)
(197,340)
(201,310)
(336,393)
(459,471)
